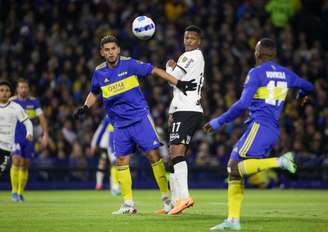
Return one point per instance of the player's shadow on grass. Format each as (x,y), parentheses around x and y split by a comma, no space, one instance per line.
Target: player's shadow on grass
(283,220)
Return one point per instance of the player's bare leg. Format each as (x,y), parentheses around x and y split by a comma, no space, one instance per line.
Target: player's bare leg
(161,180)
(177,155)
(125,180)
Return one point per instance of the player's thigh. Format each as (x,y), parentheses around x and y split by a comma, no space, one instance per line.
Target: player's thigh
(122,142)
(145,135)
(256,142)
(183,127)
(16,155)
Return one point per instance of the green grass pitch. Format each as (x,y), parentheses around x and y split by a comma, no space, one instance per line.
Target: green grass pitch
(79,211)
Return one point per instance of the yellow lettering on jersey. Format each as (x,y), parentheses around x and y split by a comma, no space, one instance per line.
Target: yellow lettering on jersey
(274,94)
(120,86)
(31,113)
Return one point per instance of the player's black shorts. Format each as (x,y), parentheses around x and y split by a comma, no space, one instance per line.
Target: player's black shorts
(184,125)
(4,159)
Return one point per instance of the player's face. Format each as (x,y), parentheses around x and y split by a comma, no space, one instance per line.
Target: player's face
(23,89)
(111,52)
(5,93)
(191,40)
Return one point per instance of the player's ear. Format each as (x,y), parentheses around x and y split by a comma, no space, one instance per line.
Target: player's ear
(102,52)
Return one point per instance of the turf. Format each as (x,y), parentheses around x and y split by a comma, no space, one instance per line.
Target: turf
(79,211)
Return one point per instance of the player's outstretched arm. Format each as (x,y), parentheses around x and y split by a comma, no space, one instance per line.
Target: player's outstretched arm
(82,110)
(234,111)
(184,86)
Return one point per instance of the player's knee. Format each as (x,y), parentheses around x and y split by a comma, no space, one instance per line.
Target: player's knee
(153,156)
(122,161)
(233,171)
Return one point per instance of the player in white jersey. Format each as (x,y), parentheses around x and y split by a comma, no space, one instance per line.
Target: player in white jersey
(10,113)
(186,114)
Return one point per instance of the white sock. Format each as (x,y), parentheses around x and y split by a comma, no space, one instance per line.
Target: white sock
(174,188)
(99,177)
(181,176)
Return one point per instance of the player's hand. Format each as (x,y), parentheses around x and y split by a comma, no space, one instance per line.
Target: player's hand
(207,128)
(303,100)
(170,120)
(80,112)
(44,140)
(171,63)
(29,137)
(93,150)
(185,86)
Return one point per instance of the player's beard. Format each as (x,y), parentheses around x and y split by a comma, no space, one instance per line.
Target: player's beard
(111,62)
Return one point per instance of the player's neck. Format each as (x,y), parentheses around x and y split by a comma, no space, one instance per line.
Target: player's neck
(112,64)
(4,102)
(22,98)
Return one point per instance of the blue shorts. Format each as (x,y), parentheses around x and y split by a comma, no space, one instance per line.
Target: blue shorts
(23,148)
(141,135)
(256,142)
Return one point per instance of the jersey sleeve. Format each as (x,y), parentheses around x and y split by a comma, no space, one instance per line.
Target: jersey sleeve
(21,115)
(186,62)
(38,109)
(297,82)
(95,86)
(140,68)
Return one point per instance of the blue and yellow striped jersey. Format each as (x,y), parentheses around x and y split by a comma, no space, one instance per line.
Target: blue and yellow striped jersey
(32,108)
(120,91)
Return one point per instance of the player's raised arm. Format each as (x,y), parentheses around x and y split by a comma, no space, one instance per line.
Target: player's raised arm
(184,86)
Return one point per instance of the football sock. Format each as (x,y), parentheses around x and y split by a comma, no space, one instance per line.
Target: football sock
(181,175)
(235,198)
(125,180)
(174,188)
(113,174)
(22,180)
(251,166)
(100,177)
(14,173)
(160,176)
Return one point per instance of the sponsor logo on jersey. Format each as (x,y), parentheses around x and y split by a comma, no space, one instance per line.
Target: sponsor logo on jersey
(122,74)
(106,80)
(174,136)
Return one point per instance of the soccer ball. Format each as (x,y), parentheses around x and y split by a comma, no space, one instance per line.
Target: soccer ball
(143,27)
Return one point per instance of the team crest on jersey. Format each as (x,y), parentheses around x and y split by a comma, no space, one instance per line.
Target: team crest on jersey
(139,62)
(184,59)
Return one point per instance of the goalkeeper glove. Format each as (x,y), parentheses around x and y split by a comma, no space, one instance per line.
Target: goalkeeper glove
(80,112)
(185,86)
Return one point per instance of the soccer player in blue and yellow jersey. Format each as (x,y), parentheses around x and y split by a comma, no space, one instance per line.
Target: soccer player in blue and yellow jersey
(116,81)
(264,95)
(23,148)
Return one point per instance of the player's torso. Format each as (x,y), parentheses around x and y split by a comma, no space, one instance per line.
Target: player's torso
(121,93)
(193,63)
(31,107)
(8,121)
(269,98)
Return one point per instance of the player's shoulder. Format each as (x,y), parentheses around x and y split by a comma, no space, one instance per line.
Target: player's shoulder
(15,105)
(125,58)
(194,54)
(101,66)
(13,98)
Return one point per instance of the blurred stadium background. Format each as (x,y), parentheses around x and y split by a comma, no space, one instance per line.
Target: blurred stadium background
(54,44)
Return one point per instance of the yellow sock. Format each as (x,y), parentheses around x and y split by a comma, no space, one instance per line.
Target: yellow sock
(125,181)
(113,174)
(251,166)
(22,180)
(235,198)
(14,173)
(160,176)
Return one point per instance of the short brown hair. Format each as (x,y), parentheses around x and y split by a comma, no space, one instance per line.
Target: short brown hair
(108,39)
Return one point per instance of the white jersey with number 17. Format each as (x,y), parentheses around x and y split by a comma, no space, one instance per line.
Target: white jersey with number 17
(190,66)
